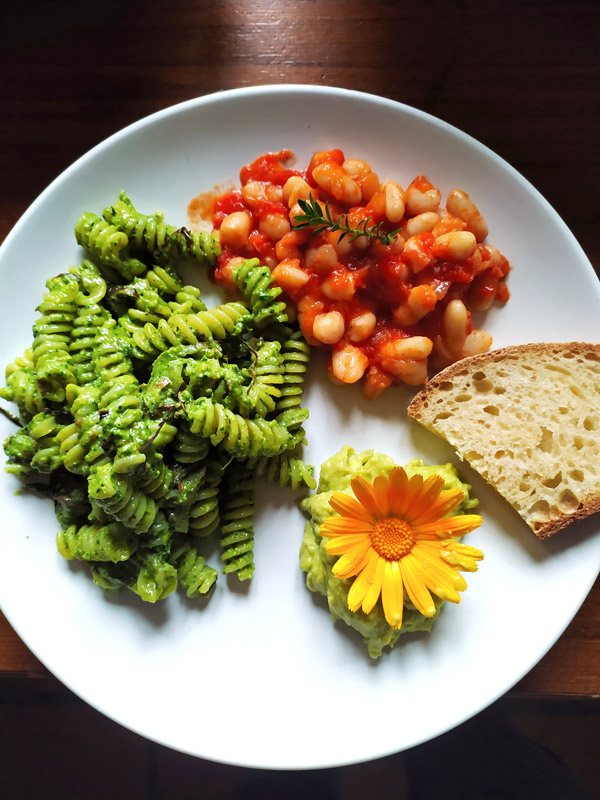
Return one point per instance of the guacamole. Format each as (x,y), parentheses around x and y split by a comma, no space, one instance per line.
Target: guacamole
(336,475)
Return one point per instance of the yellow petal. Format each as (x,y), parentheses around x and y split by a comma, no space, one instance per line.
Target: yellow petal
(437,566)
(451,526)
(342,526)
(363,583)
(461,556)
(433,547)
(365,495)
(397,488)
(380,490)
(348,507)
(464,549)
(424,497)
(412,489)
(438,576)
(343,544)
(374,590)
(444,504)
(415,588)
(352,561)
(392,594)
(448,594)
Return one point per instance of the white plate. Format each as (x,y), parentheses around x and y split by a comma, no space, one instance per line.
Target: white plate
(262,677)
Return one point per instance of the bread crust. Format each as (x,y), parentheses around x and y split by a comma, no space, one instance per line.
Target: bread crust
(590,503)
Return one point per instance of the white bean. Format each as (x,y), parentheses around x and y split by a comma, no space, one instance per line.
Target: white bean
(477,342)
(368,186)
(356,167)
(289,275)
(455,325)
(413,347)
(253,192)
(421,300)
(418,202)
(336,181)
(460,204)
(448,223)
(411,371)
(294,188)
(422,223)
(415,372)
(362,326)
(329,328)
(235,229)
(274,193)
(322,259)
(414,253)
(394,200)
(338,287)
(456,245)
(274,226)
(376,380)
(342,247)
(287,246)
(349,364)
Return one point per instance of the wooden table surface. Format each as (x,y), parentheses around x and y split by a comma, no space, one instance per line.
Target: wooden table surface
(520,77)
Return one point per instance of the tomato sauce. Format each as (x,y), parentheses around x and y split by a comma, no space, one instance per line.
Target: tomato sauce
(396,302)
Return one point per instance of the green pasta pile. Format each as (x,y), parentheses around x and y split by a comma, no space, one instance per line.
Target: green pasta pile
(146,416)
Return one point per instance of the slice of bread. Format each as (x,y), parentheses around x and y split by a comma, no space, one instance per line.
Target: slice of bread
(527,418)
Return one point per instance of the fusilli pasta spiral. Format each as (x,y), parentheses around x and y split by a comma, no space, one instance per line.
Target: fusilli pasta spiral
(52,335)
(106,243)
(22,388)
(239,436)
(257,286)
(195,575)
(237,531)
(112,542)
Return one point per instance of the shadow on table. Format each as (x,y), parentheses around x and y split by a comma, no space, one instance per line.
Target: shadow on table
(486,758)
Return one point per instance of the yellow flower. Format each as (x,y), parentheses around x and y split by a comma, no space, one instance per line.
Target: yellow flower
(395,537)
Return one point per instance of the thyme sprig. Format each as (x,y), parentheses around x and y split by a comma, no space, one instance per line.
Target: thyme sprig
(320,217)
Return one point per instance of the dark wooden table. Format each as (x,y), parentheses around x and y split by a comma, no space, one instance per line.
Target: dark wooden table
(522,78)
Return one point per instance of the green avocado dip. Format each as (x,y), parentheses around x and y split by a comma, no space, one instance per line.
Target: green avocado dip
(336,475)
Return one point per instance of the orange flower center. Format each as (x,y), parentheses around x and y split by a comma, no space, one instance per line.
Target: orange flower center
(392,538)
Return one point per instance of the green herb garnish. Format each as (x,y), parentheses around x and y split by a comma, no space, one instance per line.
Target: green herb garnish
(322,220)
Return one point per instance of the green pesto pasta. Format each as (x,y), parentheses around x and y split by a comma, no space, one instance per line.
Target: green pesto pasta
(188,448)
(152,234)
(113,542)
(237,531)
(181,329)
(52,333)
(22,388)
(147,416)
(295,355)
(267,377)
(285,470)
(106,243)
(156,578)
(237,435)
(195,576)
(187,301)
(256,284)
(165,281)
(204,514)
(35,447)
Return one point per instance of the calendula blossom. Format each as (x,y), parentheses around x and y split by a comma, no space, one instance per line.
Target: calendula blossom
(395,536)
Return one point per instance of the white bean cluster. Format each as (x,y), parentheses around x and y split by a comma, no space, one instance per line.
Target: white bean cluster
(389,310)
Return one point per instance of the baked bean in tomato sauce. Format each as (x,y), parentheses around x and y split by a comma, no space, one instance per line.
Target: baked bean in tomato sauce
(388,311)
